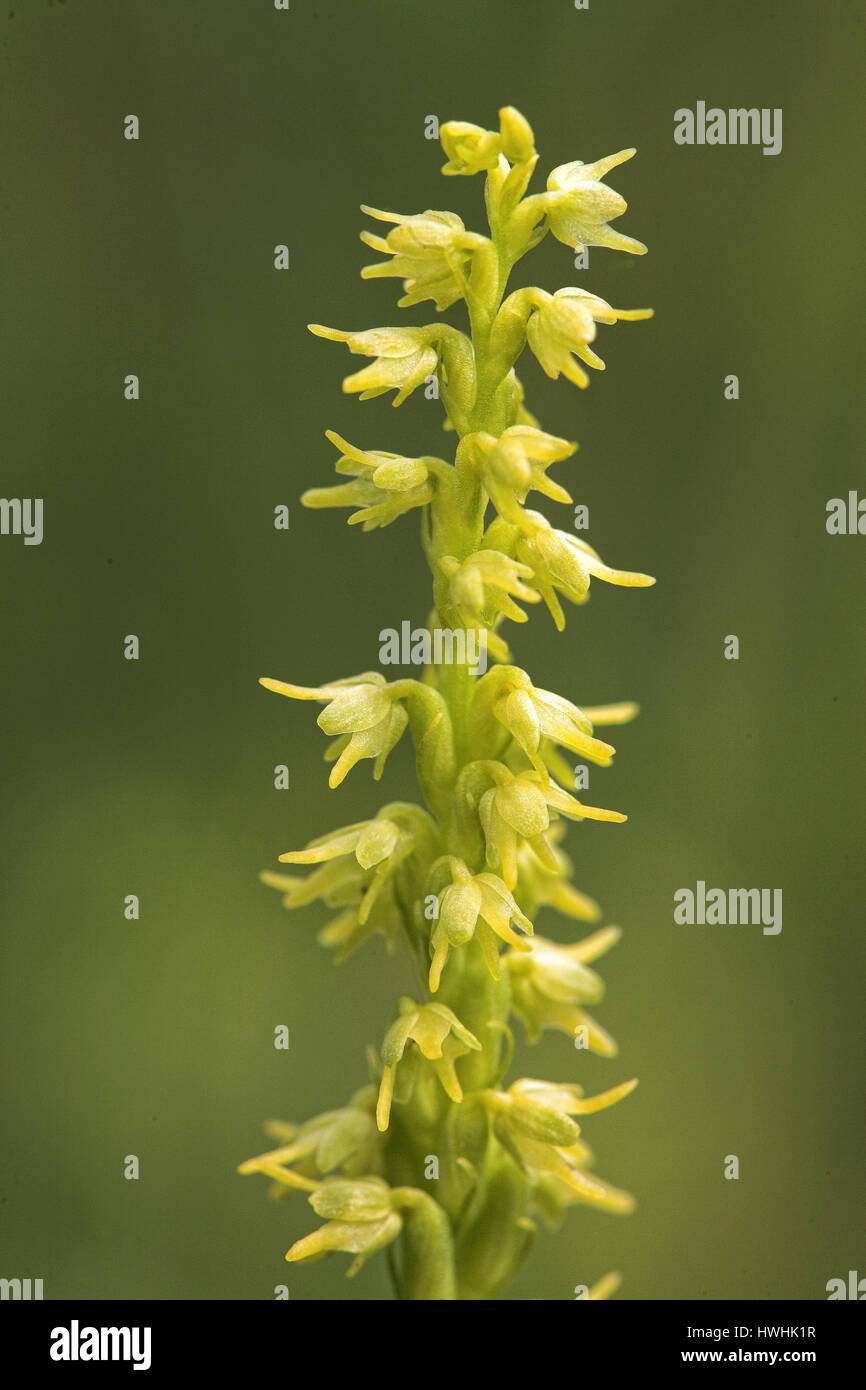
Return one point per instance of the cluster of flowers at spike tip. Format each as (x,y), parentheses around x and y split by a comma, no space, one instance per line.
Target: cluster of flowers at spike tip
(563,325)
(579,206)
(347,1139)
(550,983)
(405,358)
(474,905)
(518,808)
(360,864)
(361,1217)
(532,1120)
(440,1039)
(428,251)
(364,716)
(471,149)
(385,486)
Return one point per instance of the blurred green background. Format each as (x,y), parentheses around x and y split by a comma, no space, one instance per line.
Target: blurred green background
(156,778)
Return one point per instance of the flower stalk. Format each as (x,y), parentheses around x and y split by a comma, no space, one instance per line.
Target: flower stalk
(441,1161)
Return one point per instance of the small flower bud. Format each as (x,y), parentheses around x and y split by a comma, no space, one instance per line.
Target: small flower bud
(516,137)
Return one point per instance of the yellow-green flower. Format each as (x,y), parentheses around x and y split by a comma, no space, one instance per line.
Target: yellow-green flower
(370,841)
(361,860)
(518,808)
(482,589)
(533,1121)
(531,715)
(551,983)
(360,1219)
(366,916)
(381,844)
(405,358)
(362,715)
(565,324)
(385,486)
(428,251)
(516,463)
(564,563)
(475,905)
(471,149)
(440,1038)
(346,1138)
(580,206)
(484,585)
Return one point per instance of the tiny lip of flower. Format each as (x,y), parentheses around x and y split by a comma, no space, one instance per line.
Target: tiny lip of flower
(404,359)
(360,714)
(375,743)
(475,903)
(361,1221)
(440,1037)
(580,206)
(428,251)
(359,1238)
(565,325)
